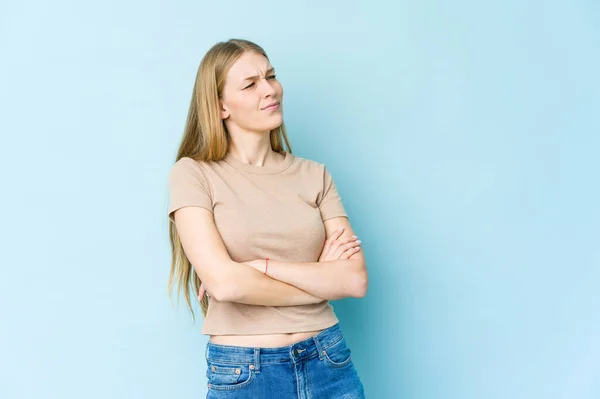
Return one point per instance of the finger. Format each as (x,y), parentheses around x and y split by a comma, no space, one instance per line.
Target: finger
(329,242)
(334,250)
(336,234)
(343,248)
(341,245)
(347,239)
(352,244)
(349,252)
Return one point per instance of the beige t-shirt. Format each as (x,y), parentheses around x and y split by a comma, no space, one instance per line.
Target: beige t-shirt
(262,211)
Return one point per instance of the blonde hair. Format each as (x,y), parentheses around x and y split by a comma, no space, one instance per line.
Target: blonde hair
(205,138)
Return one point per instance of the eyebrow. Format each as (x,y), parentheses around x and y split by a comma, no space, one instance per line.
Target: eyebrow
(270,70)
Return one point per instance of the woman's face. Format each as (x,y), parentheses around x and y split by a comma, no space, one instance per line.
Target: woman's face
(249,91)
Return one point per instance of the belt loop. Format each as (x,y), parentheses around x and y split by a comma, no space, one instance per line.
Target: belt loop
(257,360)
(206,352)
(319,347)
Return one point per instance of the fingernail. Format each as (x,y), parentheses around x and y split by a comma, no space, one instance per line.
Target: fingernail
(340,229)
(354,237)
(358,241)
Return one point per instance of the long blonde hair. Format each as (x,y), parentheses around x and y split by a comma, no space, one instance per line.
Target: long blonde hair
(205,138)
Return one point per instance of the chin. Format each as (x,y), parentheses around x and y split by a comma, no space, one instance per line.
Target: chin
(273,124)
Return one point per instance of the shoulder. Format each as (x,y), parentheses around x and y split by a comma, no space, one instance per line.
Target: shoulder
(309,165)
(190,164)
(186,168)
(187,163)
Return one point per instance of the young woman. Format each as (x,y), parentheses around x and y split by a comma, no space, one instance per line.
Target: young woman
(262,238)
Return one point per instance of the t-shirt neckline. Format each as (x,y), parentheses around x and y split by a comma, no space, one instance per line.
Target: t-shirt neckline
(263,170)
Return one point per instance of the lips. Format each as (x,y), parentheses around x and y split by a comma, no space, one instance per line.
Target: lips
(271,105)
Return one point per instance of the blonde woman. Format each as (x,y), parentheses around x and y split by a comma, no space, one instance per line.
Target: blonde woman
(262,238)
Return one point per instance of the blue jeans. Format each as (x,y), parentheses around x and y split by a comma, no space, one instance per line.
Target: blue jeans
(319,367)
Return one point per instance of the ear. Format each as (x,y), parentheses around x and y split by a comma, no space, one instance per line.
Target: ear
(223,110)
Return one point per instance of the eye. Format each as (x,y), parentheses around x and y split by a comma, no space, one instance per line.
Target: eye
(272,77)
(250,85)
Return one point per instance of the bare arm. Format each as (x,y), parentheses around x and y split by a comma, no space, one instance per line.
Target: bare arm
(223,278)
(331,279)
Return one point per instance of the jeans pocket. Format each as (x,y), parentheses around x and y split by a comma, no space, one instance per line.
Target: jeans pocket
(228,376)
(338,354)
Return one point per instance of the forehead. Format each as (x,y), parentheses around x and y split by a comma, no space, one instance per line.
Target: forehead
(249,64)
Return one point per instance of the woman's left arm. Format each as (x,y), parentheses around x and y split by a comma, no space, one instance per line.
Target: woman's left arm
(332,280)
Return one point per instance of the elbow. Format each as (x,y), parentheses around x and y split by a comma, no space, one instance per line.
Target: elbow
(224,284)
(360,283)
(227,292)
(361,286)
(223,290)
(220,294)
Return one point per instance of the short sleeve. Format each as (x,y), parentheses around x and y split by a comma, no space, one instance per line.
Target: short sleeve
(330,203)
(188,187)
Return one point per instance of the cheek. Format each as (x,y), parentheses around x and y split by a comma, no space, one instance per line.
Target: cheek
(241,108)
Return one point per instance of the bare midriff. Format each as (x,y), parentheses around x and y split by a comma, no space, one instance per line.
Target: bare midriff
(262,341)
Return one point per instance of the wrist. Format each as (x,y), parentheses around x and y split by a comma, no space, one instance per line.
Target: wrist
(258,265)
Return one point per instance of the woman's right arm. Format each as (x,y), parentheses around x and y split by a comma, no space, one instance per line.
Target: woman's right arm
(223,278)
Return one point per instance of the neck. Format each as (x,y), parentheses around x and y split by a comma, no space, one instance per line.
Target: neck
(254,149)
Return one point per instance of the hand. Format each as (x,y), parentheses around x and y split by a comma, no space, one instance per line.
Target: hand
(201,293)
(339,248)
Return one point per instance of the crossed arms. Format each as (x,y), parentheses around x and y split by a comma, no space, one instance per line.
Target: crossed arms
(339,273)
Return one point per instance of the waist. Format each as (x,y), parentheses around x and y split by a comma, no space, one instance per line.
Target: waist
(262,340)
(278,325)
(300,349)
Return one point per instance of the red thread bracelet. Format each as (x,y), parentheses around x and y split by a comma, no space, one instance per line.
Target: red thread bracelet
(266,264)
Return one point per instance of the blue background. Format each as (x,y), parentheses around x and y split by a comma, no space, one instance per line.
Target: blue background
(463,137)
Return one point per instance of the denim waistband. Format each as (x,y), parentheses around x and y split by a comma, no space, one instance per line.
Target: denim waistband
(315,345)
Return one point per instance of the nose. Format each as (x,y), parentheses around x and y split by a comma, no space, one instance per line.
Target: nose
(266,88)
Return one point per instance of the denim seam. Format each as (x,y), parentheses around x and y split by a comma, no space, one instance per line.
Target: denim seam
(307,378)
(330,345)
(297,382)
(241,385)
(229,362)
(338,365)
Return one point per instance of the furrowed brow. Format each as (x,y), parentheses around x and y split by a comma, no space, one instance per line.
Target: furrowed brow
(270,70)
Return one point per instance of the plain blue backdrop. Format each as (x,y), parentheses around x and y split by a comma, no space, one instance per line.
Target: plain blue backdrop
(463,137)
